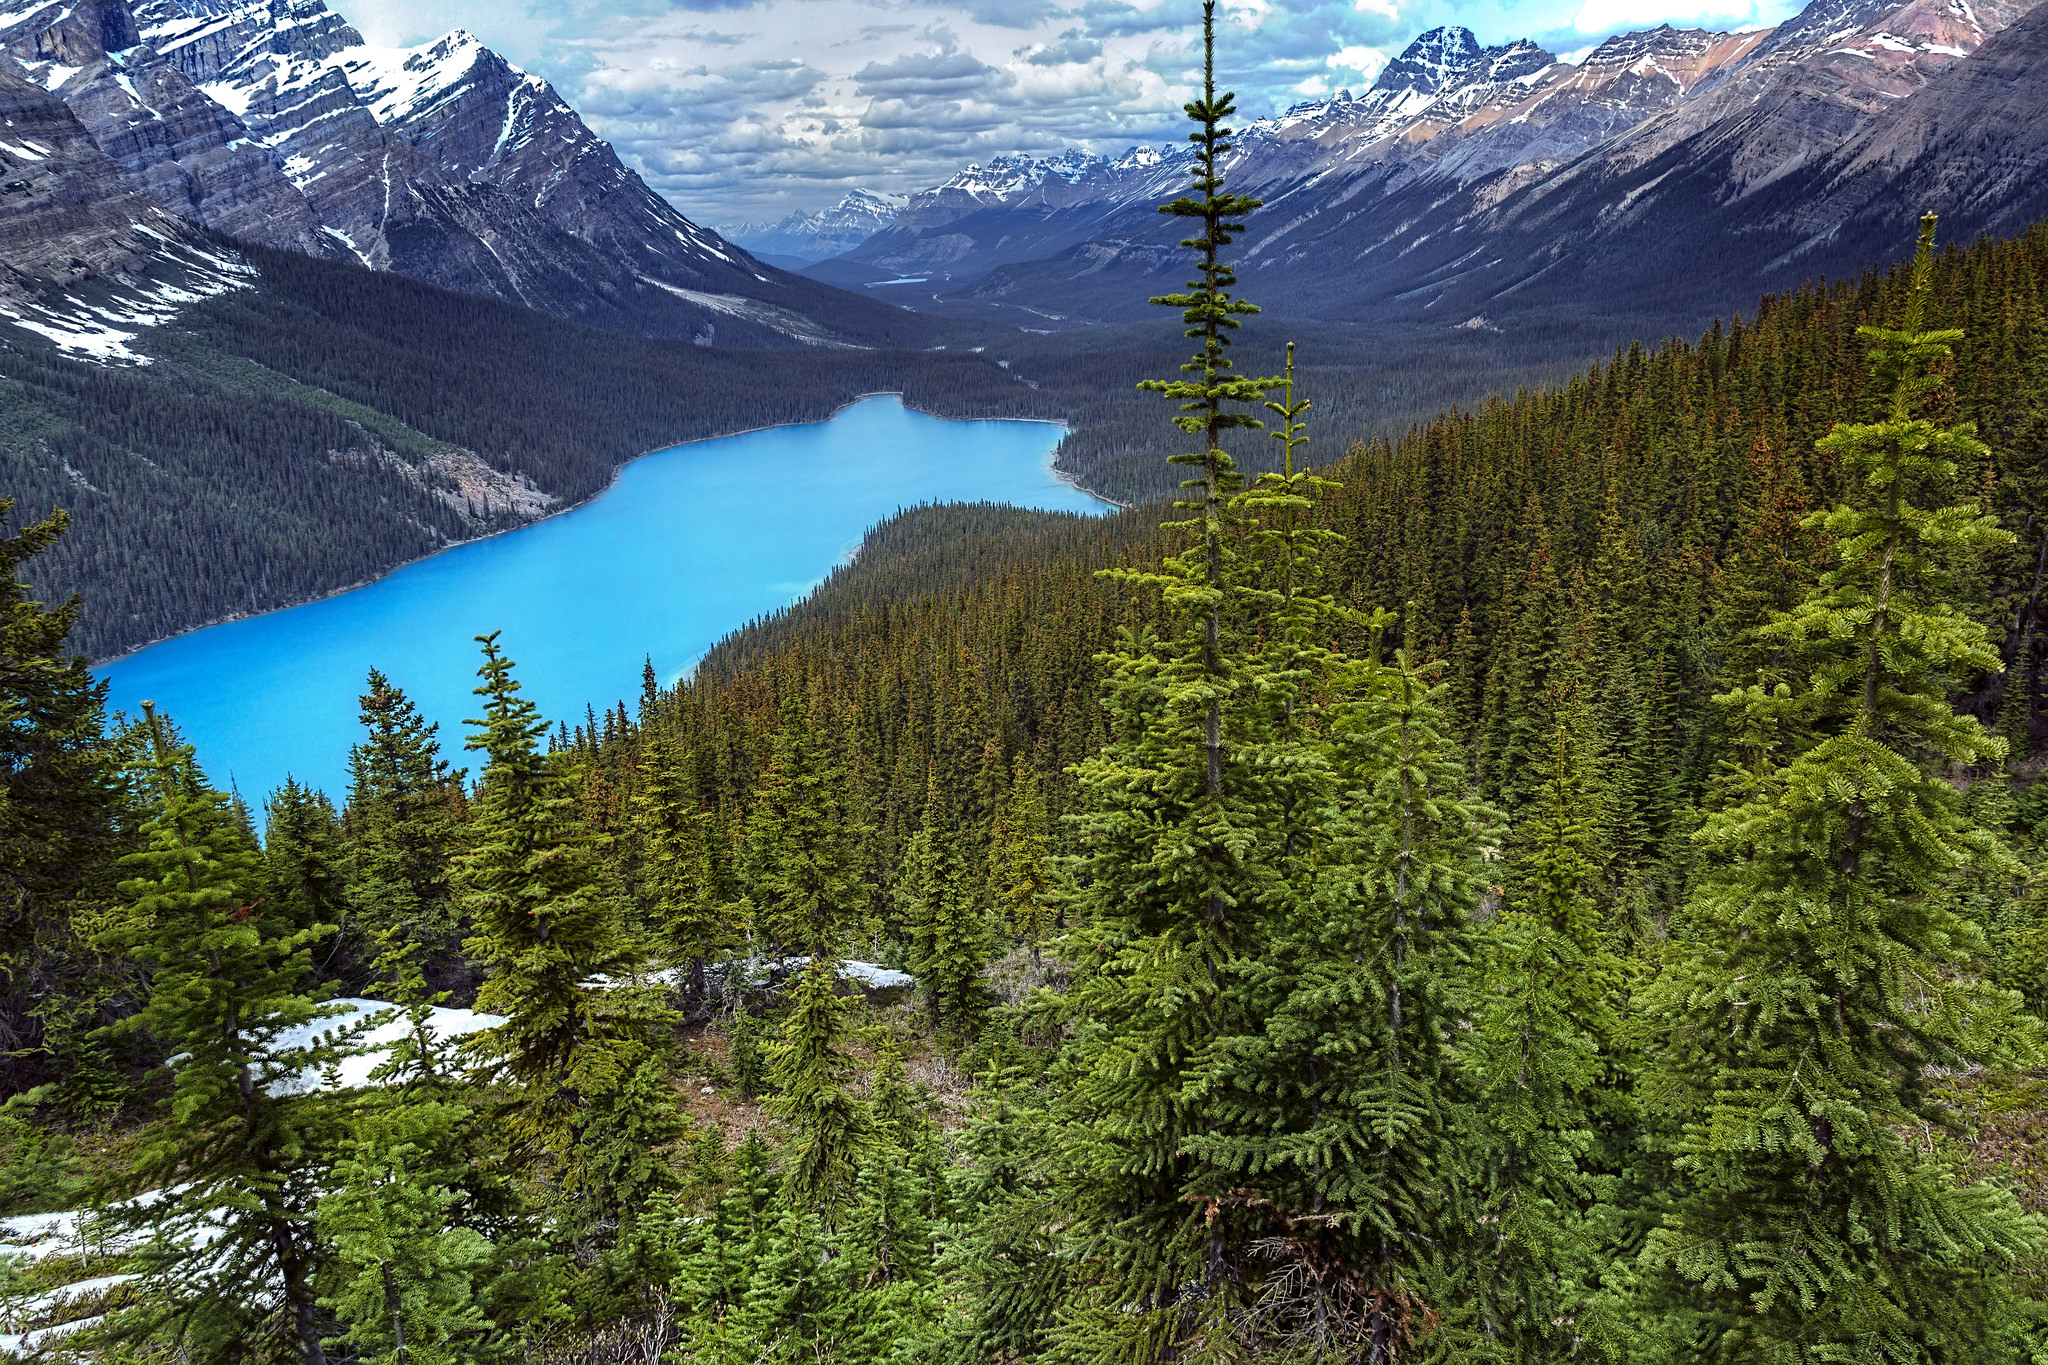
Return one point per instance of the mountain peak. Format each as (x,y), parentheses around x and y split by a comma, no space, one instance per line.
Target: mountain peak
(1432,62)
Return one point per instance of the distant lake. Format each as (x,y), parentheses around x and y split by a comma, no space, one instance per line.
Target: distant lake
(689,544)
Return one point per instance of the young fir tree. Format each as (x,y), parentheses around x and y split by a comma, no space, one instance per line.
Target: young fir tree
(407,1273)
(233,1165)
(788,1312)
(1822,976)
(1339,1121)
(1018,861)
(798,858)
(943,920)
(544,928)
(812,1072)
(1540,1060)
(301,856)
(682,875)
(61,819)
(885,1301)
(719,1253)
(402,829)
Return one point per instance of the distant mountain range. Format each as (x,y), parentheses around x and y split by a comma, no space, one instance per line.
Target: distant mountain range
(1669,174)
(273,122)
(801,238)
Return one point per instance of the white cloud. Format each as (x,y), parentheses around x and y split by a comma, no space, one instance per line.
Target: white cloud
(1366,61)
(1621,16)
(745,109)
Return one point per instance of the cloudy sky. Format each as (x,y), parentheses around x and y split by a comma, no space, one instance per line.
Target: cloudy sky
(746,109)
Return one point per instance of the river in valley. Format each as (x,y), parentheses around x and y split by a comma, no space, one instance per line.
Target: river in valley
(687,545)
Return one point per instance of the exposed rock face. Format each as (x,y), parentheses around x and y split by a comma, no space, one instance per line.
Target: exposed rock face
(274,122)
(67,210)
(86,259)
(1974,144)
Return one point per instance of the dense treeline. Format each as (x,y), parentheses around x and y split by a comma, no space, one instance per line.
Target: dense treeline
(1630,524)
(1559,886)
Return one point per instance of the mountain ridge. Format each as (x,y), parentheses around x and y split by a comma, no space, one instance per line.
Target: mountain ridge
(1490,181)
(274,122)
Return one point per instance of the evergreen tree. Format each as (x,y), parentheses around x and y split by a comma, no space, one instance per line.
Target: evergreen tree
(718,1255)
(1339,1124)
(812,1073)
(1194,824)
(1541,1063)
(1018,867)
(798,858)
(402,830)
(683,877)
(233,1164)
(301,857)
(881,1283)
(61,818)
(632,1130)
(544,929)
(943,921)
(407,1272)
(1823,975)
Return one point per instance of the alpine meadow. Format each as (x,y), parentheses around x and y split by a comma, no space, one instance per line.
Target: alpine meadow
(1483,855)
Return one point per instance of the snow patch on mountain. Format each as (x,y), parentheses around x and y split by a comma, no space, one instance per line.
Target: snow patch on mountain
(99,326)
(824,232)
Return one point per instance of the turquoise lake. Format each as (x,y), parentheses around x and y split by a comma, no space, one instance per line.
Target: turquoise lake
(688,544)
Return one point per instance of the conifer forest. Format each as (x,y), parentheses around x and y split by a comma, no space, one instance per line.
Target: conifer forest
(1561,884)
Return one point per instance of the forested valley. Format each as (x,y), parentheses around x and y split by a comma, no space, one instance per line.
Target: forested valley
(331,423)
(1559,885)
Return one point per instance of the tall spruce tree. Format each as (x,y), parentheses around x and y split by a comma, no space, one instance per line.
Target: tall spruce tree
(61,825)
(1018,865)
(232,1167)
(1338,1121)
(799,852)
(943,919)
(1183,825)
(1541,1060)
(301,854)
(833,1129)
(544,928)
(683,873)
(1822,977)
(402,830)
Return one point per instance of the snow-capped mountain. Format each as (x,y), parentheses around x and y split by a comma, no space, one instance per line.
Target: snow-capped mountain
(826,232)
(275,122)
(1499,177)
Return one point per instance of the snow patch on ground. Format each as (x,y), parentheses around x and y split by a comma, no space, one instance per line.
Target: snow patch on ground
(874,977)
(784,320)
(24,1343)
(354,1072)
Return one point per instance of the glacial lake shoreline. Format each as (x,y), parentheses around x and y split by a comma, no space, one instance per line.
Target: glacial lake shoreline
(684,545)
(618,471)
